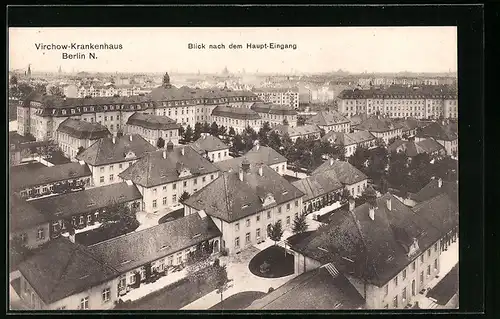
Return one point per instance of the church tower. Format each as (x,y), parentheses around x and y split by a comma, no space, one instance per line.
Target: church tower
(166,81)
(29,70)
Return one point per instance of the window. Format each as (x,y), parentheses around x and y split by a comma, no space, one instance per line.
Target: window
(395,302)
(435,264)
(257,233)
(40,234)
(237,242)
(89,218)
(422,258)
(247,238)
(421,276)
(170,260)
(288,206)
(279,210)
(101,179)
(179,258)
(237,226)
(174,186)
(101,169)
(154,191)
(184,184)
(288,220)
(212,177)
(258,218)
(428,270)
(106,295)
(296,203)
(203,179)
(84,303)
(386,290)
(404,294)
(24,238)
(248,222)
(404,274)
(164,201)
(111,177)
(268,214)
(174,198)
(429,253)
(154,203)
(396,281)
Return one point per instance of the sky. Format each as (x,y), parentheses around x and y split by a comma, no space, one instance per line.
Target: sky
(318,49)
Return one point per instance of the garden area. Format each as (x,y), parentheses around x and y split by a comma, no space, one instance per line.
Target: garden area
(272,262)
(239,301)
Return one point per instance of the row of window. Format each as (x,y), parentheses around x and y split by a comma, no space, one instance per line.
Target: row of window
(268,214)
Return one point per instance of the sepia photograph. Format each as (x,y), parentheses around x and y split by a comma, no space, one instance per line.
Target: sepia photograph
(235,168)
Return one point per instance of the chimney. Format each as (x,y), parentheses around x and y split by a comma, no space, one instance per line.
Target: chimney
(129,182)
(440,183)
(331,161)
(352,203)
(164,154)
(245,165)
(388,202)
(182,151)
(261,170)
(81,162)
(240,174)
(170,146)
(71,236)
(130,138)
(371,213)
(114,139)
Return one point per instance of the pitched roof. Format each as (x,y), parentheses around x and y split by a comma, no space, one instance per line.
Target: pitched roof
(357,119)
(62,269)
(257,155)
(240,113)
(346,173)
(344,139)
(318,185)
(153,169)
(441,211)
(315,289)
(83,129)
(432,189)
(127,147)
(438,132)
(297,130)
(75,203)
(134,249)
(49,174)
(430,145)
(153,122)
(230,199)
(411,123)
(208,143)
(375,124)
(379,248)
(261,107)
(23,216)
(398,91)
(327,118)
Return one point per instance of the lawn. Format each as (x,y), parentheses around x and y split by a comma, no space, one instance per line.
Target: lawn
(279,265)
(446,288)
(297,238)
(97,235)
(174,296)
(325,218)
(176,214)
(239,301)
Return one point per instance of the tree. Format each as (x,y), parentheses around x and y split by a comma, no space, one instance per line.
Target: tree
(188,134)
(40,88)
(359,158)
(275,231)
(238,145)
(287,145)
(221,281)
(185,195)
(384,186)
(13,80)
(24,90)
(274,141)
(48,150)
(231,131)
(285,122)
(182,131)
(214,129)
(249,137)
(222,130)
(160,143)
(197,263)
(119,133)
(301,120)
(80,150)
(205,128)
(322,132)
(263,134)
(198,129)
(55,90)
(118,219)
(299,223)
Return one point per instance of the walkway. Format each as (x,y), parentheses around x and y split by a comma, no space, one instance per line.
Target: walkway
(147,220)
(243,280)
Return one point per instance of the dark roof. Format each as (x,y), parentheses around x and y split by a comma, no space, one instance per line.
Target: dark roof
(240,113)
(231,199)
(31,146)
(411,124)
(23,216)
(357,119)
(127,147)
(412,148)
(75,203)
(53,101)
(356,244)
(344,139)
(315,289)
(432,189)
(83,130)
(49,174)
(440,211)
(134,249)
(438,132)
(153,169)
(327,118)
(16,138)
(261,107)
(346,173)
(62,269)
(153,122)
(297,130)
(318,185)
(430,145)
(403,92)
(376,124)
(257,155)
(208,143)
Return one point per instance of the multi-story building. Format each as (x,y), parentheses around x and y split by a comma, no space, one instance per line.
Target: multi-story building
(303,132)
(152,127)
(211,147)
(282,96)
(257,155)
(74,135)
(349,176)
(410,126)
(238,118)
(350,141)
(244,203)
(276,114)
(425,102)
(43,181)
(110,156)
(163,176)
(83,209)
(27,223)
(381,128)
(412,148)
(330,121)
(107,90)
(444,134)
(386,251)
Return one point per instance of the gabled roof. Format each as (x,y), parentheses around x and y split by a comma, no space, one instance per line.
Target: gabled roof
(297,130)
(315,289)
(231,199)
(257,155)
(346,173)
(345,139)
(440,211)
(376,124)
(104,151)
(62,269)
(23,216)
(50,174)
(429,145)
(75,203)
(412,148)
(357,119)
(411,124)
(240,113)
(135,249)
(83,130)
(208,143)
(153,122)
(432,189)
(438,132)
(153,169)
(261,107)
(327,118)
(318,185)
(378,248)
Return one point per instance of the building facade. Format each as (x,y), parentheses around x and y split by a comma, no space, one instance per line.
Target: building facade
(288,97)
(152,127)
(330,121)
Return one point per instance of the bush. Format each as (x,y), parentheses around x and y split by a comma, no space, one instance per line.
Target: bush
(224,252)
(271,289)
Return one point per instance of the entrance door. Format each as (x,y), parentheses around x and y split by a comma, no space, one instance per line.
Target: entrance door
(413,287)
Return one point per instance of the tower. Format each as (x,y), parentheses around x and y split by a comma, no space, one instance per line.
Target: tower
(29,70)
(166,81)
(59,71)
